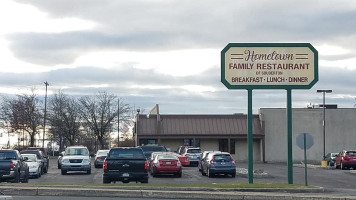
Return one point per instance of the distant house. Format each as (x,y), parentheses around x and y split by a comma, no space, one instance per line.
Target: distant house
(209,132)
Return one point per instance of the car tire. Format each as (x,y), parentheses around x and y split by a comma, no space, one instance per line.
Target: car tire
(202,172)
(45,170)
(59,166)
(27,175)
(89,171)
(39,172)
(106,180)
(63,172)
(144,180)
(209,174)
(179,174)
(342,166)
(17,178)
(233,175)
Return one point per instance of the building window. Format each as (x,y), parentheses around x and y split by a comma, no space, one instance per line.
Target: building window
(148,141)
(191,142)
(223,145)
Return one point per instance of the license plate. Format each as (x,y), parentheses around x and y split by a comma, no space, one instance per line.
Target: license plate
(125,174)
(168,163)
(223,163)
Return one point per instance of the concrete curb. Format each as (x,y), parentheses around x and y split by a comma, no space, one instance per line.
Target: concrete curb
(167,193)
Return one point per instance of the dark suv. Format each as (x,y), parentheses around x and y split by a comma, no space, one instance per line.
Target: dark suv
(149,148)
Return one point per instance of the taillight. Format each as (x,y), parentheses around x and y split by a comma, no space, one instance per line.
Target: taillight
(146,165)
(105,165)
(232,160)
(212,161)
(98,158)
(12,166)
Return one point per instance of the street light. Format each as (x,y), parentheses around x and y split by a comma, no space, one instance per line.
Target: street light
(44,118)
(324,91)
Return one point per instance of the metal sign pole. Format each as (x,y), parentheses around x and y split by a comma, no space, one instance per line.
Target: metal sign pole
(305,160)
(250,137)
(289,136)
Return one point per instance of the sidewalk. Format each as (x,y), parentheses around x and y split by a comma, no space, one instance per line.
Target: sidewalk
(167,193)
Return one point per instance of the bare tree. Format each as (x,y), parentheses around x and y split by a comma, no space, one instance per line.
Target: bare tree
(64,118)
(22,114)
(100,112)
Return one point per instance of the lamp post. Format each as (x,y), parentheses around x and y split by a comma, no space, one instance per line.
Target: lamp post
(44,118)
(324,91)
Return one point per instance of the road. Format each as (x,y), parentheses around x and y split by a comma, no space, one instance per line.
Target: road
(335,181)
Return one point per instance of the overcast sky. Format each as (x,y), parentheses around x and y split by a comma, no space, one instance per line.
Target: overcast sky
(167,52)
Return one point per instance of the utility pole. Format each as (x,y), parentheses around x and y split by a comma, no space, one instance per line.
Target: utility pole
(45,115)
(118,121)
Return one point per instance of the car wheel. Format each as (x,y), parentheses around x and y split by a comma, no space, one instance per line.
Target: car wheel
(59,166)
(45,170)
(63,172)
(25,179)
(17,178)
(208,173)
(144,180)
(233,175)
(342,166)
(89,171)
(39,172)
(106,180)
(179,174)
(202,172)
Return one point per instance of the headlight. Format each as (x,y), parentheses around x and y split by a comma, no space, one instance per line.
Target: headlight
(85,160)
(65,161)
(32,167)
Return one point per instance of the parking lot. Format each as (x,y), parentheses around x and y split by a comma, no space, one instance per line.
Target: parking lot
(333,180)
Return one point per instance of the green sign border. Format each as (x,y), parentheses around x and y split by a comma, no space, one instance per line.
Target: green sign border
(229,86)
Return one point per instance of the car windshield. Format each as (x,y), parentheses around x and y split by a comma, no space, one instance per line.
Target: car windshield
(127,153)
(76,151)
(351,153)
(152,148)
(194,151)
(166,157)
(30,158)
(102,153)
(220,158)
(7,155)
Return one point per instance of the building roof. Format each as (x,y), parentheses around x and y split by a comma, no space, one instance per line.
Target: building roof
(197,125)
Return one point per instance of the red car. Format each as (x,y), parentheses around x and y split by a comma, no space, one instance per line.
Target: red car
(346,159)
(165,164)
(184,160)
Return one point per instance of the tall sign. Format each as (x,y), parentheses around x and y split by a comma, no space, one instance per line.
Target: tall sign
(269,66)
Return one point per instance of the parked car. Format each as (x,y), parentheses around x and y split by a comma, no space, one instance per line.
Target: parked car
(166,164)
(39,154)
(184,160)
(194,155)
(125,164)
(59,159)
(218,163)
(34,165)
(203,155)
(100,157)
(44,152)
(76,158)
(181,149)
(330,158)
(149,148)
(13,167)
(346,159)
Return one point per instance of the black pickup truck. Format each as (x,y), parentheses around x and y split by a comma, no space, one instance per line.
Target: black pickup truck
(13,167)
(125,164)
